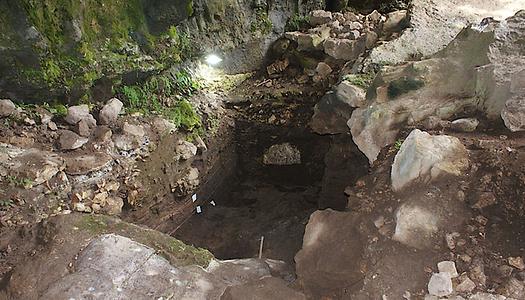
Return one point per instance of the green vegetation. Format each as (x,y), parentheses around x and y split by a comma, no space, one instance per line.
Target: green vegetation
(79,42)
(165,95)
(262,23)
(398,143)
(361,80)
(58,110)
(175,251)
(403,86)
(20,182)
(6,203)
(297,22)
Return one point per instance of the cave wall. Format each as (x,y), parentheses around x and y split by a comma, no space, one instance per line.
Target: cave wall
(57,50)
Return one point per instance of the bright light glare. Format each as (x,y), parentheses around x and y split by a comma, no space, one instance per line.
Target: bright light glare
(213,60)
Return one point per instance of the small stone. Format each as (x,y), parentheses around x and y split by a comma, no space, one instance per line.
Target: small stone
(486,199)
(109,113)
(512,288)
(516,262)
(448,267)
(77,113)
(71,141)
(321,72)
(440,285)
(52,126)
(449,238)
(135,130)
(7,108)
(395,20)
(29,121)
(466,258)
(113,206)
(465,125)
(481,220)
(466,285)
(282,154)
(184,150)
(83,128)
(379,222)
(320,17)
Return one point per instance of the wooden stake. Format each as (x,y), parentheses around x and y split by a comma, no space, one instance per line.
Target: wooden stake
(261,247)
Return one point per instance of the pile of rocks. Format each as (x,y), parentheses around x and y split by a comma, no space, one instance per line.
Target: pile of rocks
(89,158)
(345,36)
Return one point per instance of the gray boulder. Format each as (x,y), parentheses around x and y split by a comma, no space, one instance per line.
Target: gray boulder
(513,114)
(319,17)
(77,113)
(344,49)
(440,285)
(331,114)
(70,141)
(332,251)
(266,288)
(7,108)
(423,158)
(109,113)
(464,125)
(395,21)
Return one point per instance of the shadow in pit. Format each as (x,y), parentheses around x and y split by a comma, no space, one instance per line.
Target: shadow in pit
(273,201)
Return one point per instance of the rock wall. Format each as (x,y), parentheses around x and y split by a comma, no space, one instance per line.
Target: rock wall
(61,49)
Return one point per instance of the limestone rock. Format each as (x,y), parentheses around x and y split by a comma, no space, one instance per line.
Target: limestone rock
(422,158)
(332,251)
(331,114)
(513,114)
(487,296)
(448,267)
(395,21)
(109,113)
(465,285)
(71,141)
(320,17)
(282,155)
(84,164)
(352,94)
(440,285)
(465,125)
(134,130)
(415,225)
(344,49)
(77,113)
(163,126)
(184,150)
(266,288)
(322,71)
(7,108)
(309,41)
(85,127)
(36,165)
(113,205)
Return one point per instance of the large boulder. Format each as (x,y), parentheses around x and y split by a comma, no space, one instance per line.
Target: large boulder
(34,165)
(7,108)
(433,27)
(331,114)
(423,158)
(266,288)
(513,114)
(332,251)
(409,94)
(99,257)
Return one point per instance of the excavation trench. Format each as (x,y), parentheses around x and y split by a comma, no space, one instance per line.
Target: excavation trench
(267,200)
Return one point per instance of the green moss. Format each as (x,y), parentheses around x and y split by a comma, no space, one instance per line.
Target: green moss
(175,251)
(262,23)
(361,80)
(403,86)
(164,94)
(297,22)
